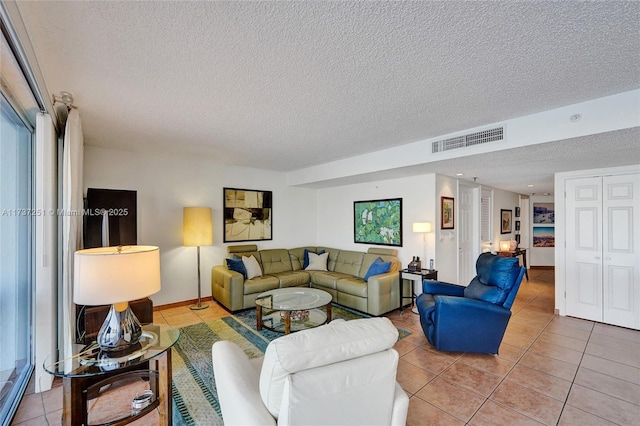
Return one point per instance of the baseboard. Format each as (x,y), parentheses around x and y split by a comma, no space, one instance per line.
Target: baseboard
(183,303)
(549,268)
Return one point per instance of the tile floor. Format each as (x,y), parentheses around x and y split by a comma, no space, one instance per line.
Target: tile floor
(551,370)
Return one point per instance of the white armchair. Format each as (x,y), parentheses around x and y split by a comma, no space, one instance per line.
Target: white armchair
(342,373)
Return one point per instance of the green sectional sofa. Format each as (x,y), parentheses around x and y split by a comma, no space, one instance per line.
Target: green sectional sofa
(344,278)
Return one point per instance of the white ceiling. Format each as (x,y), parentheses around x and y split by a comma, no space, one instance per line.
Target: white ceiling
(288,85)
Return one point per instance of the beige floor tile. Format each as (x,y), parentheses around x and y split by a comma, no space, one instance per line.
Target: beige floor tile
(490,363)
(182,320)
(422,413)
(532,404)
(471,378)
(538,381)
(493,414)
(614,342)
(617,332)
(556,368)
(564,330)
(519,340)
(611,368)
(428,360)
(605,406)
(525,330)
(451,398)
(578,323)
(31,407)
(404,346)
(175,311)
(564,341)
(611,386)
(556,352)
(510,352)
(572,416)
(622,356)
(412,378)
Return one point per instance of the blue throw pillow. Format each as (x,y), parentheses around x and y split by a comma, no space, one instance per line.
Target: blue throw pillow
(237,265)
(305,263)
(377,267)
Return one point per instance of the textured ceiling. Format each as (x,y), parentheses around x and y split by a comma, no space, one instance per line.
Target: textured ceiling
(287,85)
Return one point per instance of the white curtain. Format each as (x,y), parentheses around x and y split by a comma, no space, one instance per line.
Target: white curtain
(72,205)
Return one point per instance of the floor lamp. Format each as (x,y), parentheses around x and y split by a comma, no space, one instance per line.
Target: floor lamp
(197,230)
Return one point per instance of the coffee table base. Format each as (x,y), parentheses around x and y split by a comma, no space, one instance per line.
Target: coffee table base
(287,319)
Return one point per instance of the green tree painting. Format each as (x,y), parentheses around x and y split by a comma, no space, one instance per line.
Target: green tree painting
(378,222)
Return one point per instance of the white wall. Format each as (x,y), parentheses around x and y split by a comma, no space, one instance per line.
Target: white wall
(335,214)
(167,183)
(541,256)
(508,201)
(447,240)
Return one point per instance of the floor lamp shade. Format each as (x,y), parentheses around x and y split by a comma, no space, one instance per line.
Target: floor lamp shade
(197,227)
(422,227)
(116,275)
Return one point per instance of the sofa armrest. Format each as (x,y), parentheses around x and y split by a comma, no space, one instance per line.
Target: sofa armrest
(237,383)
(227,287)
(440,287)
(400,407)
(382,293)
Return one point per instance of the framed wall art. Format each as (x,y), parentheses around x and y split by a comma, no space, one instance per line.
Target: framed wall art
(505,221)
(543,213)
(247,215)
(447,220)
(544,236)
(378,222)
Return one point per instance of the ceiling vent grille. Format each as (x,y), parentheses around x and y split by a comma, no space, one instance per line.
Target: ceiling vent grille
(476,138)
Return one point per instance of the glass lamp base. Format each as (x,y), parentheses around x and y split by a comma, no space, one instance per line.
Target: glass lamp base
(121,329)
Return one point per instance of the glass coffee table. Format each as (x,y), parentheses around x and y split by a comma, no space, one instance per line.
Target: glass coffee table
(285,310)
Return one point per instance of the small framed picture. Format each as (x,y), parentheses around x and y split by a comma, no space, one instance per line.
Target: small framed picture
(446,213)
(518,238)
(517,211)
(505,221)
(517,225)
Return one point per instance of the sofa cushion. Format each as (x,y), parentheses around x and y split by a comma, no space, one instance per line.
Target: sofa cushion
(252,266)
(237,265)
(317,262)
(260,284)
(275,261)
(349,262)
(317,347)
(293,279)
(355,286)
(325,279)
(377,267)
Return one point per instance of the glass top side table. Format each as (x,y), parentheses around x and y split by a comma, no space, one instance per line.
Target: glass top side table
(89,370)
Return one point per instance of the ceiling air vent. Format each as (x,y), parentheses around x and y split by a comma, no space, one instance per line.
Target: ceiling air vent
(476,138)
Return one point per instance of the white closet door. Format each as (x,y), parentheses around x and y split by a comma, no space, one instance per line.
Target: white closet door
(621,250)
(584,248)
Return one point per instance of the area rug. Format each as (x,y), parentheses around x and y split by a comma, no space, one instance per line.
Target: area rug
(195,399)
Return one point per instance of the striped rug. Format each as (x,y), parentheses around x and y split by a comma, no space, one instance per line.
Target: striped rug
(195,399)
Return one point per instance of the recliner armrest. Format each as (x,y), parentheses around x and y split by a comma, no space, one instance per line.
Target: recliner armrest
(472,324)
(440,287)
(237,381)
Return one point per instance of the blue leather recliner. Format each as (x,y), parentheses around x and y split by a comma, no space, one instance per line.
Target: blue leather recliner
(472,318)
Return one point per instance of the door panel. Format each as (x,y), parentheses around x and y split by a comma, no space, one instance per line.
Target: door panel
(466,236)
(584,248)
(621,256)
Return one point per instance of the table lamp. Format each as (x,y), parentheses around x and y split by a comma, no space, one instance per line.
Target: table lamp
(197,230)
(424,228)
(116,275)
(505,245)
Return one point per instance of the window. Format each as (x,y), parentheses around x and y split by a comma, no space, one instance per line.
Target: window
(16,360)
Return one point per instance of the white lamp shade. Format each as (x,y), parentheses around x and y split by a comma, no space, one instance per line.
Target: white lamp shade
(422,227)
(197,227)
(109,275)
(505,245)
